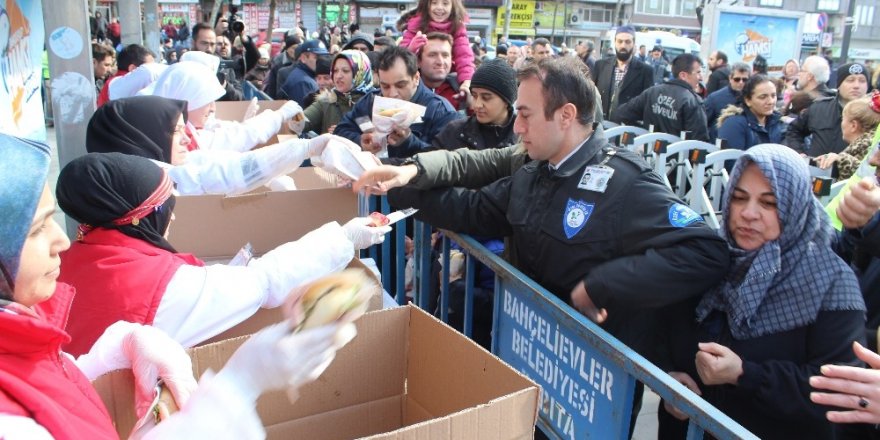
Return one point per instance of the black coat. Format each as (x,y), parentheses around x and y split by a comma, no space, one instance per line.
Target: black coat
(821,120)
(719,79)
(639,77)
(861,248)
(630,256)
(772,397)
(469,133)
(671,107)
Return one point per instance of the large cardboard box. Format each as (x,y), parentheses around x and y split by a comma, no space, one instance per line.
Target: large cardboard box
(405,376)
(215,227)
(235,111)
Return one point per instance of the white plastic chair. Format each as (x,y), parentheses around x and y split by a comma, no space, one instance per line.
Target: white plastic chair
(709,181)
(644,145)
(680,164)
(623,134)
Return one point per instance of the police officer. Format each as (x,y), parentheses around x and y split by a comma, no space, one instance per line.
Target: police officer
(592,224)
(671,107)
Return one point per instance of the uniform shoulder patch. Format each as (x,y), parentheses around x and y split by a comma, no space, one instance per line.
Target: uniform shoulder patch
(681,215)
(577,212)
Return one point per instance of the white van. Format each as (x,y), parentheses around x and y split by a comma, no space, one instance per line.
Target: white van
(674,45)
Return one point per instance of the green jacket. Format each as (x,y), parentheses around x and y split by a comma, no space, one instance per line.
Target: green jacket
(327,110)
(471,168)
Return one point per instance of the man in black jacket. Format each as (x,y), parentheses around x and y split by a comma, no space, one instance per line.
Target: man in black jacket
(720,71)
(592,224)
(622,78)
(821,120)
(671,107)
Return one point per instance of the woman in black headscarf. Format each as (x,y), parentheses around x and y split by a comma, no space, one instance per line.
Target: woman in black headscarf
(146,126)
(45,393)
(156,128)
(124,204)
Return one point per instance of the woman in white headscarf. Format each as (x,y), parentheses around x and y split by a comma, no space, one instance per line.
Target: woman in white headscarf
(155,128)
(194,80)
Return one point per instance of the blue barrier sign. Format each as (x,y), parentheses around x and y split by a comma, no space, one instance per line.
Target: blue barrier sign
(583,394)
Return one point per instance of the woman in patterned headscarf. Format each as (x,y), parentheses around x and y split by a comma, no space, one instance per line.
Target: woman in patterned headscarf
(352,79)
(788,306)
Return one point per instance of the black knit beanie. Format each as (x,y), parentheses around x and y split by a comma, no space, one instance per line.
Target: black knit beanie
(852,69)
(496,75)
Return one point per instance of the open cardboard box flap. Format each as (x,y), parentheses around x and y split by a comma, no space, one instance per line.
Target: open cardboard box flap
(405,376)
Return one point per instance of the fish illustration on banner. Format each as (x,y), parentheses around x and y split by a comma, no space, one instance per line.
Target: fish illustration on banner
(21,44)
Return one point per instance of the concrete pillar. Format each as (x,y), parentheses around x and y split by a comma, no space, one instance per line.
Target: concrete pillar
(73,79)
(130,20)
(151,27)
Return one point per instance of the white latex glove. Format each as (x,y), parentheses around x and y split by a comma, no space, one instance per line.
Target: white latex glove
(252,109)
(362,235)
(276,359)
(154,355)
(317,144)
(289,110)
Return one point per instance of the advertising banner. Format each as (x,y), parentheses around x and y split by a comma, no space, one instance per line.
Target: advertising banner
(744,36)
(21,105)
(522,15)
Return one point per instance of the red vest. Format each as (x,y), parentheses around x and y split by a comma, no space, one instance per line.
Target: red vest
(104,96)
(117,278)
(37,381)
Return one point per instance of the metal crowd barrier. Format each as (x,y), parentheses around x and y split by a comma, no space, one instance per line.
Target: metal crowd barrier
(587,376)
(249,91)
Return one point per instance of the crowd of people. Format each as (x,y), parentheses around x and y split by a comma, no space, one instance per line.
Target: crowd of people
(772,319)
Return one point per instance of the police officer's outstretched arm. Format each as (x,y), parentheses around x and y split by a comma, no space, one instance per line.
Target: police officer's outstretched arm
(669,254)
(481,212)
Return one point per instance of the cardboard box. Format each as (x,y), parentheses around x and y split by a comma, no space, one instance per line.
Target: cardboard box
(235,110)
(405,376)
(215,227)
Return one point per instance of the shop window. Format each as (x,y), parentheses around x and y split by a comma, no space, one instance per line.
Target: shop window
(828,5)
(770,3)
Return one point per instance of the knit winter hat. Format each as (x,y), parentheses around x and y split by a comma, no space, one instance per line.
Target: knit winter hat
(359,37)
(852,69)
(496,75)
(23,173)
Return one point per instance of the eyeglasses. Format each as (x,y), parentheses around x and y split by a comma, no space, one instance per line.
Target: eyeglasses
(739,79)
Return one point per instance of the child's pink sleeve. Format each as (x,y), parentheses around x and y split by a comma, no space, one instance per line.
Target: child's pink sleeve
(462,55)
(412,26)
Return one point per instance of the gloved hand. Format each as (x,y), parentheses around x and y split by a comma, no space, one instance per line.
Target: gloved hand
(362,235)
(252,109)
(154,355)
(275,358)
(289,110)
(317,144)
(418,41)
